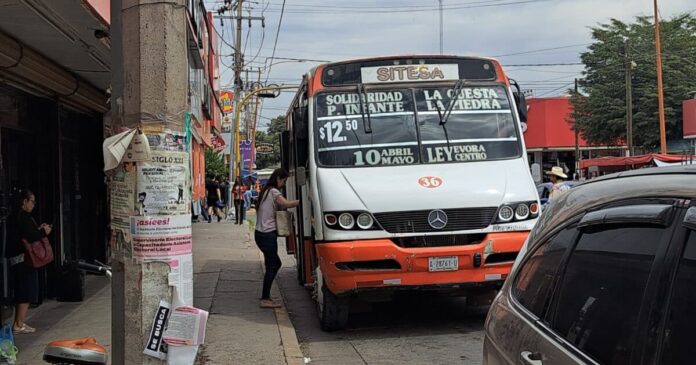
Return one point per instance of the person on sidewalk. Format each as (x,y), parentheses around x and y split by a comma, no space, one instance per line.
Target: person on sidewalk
(237,199)
(25,277)
(266,235)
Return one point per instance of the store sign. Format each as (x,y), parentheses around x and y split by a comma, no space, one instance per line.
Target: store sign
(264,148)
(218,143)
(227,101)
(406,73)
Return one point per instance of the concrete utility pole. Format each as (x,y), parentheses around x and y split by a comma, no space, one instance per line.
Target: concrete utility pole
(149,81)
(629,96)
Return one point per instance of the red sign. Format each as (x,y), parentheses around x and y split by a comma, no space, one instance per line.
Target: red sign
(430,182)
(227,101)
(218,143)
(689,115)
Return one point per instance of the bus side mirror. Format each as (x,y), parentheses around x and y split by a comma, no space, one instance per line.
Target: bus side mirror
(521,102)
(300,176)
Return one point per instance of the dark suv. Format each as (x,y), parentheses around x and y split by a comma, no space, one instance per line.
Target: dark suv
(608,276)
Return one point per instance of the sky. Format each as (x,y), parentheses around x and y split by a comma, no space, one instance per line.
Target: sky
(520,33)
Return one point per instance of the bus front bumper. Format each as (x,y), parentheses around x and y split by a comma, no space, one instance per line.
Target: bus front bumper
(352,266)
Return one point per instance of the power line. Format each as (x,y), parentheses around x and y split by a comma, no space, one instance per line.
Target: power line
(326,10)
(280,22)
(545,64)
(542,50)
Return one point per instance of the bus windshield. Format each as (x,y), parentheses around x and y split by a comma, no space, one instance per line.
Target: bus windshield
(415,125)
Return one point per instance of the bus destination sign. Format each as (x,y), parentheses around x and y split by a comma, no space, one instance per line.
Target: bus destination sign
(413,73)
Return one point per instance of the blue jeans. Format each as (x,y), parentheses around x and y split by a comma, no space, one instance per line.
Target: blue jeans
(268,244)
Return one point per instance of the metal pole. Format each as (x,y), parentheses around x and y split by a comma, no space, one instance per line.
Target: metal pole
(577,140)
(629,98)
(441,26)
(660,97)
(234,133)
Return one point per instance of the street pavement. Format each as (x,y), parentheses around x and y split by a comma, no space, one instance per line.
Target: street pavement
(417,328)
(227,282)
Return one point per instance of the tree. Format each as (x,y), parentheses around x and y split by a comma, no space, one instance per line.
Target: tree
(271,135)
(214,164)
(600,113)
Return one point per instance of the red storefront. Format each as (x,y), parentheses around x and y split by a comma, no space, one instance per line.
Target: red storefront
(551,140)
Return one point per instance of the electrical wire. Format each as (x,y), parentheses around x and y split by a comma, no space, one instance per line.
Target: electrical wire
(392,11)
(275,44)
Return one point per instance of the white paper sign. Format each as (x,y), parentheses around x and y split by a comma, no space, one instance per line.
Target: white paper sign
(115,147)
(186,327)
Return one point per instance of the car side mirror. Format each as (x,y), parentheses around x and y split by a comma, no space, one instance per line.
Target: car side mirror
(301,176)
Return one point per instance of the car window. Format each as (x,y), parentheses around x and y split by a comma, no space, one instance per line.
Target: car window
(681,319)
(534,284)
(602,288)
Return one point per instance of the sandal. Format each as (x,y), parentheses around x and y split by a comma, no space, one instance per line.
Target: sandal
(267,303)
(23,329)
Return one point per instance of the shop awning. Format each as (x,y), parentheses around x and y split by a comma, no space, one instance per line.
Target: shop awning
(635,160)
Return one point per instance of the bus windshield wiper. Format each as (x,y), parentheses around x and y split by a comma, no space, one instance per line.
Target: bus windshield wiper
(457,88)
(444,116)
(364,109)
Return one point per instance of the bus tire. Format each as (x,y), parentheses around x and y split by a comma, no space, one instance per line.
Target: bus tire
(333,310)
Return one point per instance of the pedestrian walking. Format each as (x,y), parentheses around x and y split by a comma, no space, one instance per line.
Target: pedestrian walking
(214,197)
(237,199)
(266,234)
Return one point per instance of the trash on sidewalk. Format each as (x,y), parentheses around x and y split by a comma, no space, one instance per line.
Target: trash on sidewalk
(186,326)
(8,350)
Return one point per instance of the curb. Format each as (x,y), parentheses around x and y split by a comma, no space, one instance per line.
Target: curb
(288,336)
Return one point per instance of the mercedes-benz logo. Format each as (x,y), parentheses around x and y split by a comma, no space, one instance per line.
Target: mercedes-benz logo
(437,219)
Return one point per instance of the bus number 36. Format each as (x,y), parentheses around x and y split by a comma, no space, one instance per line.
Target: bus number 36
(331,131)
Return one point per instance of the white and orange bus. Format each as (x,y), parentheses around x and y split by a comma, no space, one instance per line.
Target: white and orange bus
(412,174)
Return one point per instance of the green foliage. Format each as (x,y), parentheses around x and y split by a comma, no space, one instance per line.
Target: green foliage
(600,113)
(215,164)
(271,135)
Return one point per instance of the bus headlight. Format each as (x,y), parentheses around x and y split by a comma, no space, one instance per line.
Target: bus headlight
(365,221)
(505,214)
(346,221)
(521,212)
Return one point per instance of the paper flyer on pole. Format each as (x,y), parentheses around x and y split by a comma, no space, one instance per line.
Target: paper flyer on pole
(123,196)
(115,147)
(181,277)
(156,347)
(161,238)
(162,184)
(138,150)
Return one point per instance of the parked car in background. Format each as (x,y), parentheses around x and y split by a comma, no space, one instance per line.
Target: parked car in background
(544,190)
(607,276)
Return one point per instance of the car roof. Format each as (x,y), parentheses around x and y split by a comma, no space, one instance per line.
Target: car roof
(658,182)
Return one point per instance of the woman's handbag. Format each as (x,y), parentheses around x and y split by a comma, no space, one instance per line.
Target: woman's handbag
(283,222)
(38,253)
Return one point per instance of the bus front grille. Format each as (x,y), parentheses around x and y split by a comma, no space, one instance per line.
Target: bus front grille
(439,241)
(416,221)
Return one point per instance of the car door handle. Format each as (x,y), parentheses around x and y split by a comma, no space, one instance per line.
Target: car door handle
(530,358)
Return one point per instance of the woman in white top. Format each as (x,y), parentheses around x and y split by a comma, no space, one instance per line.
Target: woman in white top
(266,234)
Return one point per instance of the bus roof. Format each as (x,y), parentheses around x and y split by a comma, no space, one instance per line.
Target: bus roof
(317,81)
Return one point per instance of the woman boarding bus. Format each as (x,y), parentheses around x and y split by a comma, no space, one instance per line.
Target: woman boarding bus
(411,173)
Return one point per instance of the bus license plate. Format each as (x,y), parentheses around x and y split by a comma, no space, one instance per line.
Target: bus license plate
(448,263)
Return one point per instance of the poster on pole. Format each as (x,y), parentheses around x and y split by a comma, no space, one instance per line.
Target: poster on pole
(161,238)
(123,195)
(162,184)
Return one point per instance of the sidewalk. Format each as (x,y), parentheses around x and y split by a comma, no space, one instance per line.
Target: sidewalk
(228,271)
(63,320)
